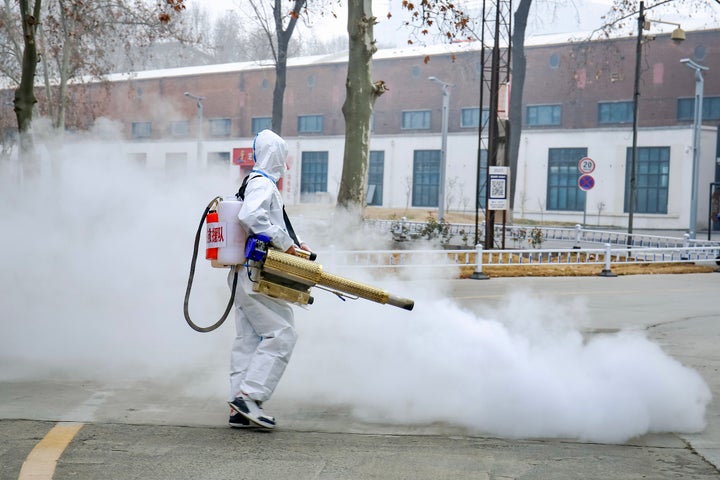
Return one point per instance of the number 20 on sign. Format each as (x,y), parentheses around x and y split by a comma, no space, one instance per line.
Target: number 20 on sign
(586,165)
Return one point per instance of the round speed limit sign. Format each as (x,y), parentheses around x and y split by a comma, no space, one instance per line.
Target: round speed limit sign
(586,165)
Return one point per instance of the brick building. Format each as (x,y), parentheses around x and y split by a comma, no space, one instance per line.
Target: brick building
(577,103)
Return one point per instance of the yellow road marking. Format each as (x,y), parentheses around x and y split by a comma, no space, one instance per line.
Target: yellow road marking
(40,463)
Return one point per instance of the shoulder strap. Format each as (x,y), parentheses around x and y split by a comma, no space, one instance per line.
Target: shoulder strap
(240,195)
(290,229)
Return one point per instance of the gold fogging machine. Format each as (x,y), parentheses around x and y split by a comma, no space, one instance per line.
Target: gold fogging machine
(278,274)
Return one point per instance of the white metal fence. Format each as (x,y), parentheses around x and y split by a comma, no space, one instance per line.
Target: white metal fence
(570,246)
(517,235)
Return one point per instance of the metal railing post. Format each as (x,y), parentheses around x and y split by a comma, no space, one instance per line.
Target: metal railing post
(686,243)
(478,273)
(578,235)
(606,272)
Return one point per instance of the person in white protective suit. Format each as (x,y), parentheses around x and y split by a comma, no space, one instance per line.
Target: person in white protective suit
(265,332)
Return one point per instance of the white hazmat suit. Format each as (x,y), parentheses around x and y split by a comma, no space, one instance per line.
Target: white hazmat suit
(265,332)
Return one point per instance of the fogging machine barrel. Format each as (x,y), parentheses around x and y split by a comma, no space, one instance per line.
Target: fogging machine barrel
(306,272)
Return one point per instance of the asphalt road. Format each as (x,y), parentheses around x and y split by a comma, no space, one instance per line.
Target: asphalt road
(92,430)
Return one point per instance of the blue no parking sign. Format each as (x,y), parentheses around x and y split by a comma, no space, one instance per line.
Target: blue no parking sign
(586,182)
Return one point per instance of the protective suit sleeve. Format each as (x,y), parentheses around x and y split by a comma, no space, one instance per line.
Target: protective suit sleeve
(261,213)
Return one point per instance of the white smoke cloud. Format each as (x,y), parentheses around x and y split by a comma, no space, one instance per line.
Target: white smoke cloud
(95,260)
(524,371)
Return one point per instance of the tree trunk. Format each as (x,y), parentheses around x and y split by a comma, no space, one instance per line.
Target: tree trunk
(283,42)
(361,94)
(519,64)
(279,90)
(25,93)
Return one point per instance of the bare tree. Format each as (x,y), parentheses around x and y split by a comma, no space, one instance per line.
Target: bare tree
(74,42)
(230,43)
(25,93)
(278,27)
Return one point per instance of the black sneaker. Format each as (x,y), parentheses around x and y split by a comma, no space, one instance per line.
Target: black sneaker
(238,421)
(252,411)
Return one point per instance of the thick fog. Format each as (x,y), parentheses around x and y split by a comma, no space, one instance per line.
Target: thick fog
(95,258)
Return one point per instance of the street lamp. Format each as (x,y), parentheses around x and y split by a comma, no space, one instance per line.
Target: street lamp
(677,35)
(199,104)
(443,148)
(697,124)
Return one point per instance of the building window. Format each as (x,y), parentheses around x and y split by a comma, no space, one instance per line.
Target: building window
(310,124)
(138,159)
(470,117)
(652,174)
(141,129)
(563,192)
(314,172)
(258,124)
(554,61)
(426,178)
(376,172)
(218,159)
(710,109)
(416,120)
(220,127)
(544,115)
(615,112)
(179,128)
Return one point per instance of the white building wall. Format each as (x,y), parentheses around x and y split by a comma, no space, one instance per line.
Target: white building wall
(607,147)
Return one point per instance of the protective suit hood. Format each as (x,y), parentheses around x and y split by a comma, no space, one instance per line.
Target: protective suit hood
(270,152)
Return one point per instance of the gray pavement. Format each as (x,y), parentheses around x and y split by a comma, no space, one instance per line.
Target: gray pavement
(147,430)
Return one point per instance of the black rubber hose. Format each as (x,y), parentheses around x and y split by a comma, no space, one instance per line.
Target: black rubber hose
(192,276)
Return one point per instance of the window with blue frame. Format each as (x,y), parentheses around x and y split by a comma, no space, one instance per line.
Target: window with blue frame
(470,117)
(180,128)
(314,172)
(426,178)
(416,120)
(615,112)
(563,192)
(652,176)
(686,109)
(258,124)
(310,123)
(218,159)
(543,115)
(141,129)
(376,172)
(219,127)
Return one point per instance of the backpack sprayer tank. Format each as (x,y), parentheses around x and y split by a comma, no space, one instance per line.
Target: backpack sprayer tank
(225,236)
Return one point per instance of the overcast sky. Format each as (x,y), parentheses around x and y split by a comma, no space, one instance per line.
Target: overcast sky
(571,16)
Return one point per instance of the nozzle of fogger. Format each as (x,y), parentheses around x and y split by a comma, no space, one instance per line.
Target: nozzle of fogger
(404,303)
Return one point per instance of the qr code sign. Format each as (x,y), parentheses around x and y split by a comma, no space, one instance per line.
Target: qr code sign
(497,188)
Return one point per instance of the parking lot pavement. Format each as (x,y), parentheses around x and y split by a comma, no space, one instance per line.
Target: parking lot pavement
(156,430)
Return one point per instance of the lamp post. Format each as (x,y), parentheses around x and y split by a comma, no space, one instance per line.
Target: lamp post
(677,35)
(198,100)
(443,148)
(697,124)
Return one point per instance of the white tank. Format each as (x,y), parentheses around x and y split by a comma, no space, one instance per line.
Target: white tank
(233,252)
